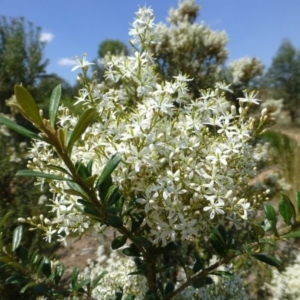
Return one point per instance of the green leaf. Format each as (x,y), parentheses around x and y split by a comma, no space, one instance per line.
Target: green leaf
(74,186)
(104,187)
(169,288)
(222,273)
(112,195)
(109,168)
(58,273)
(16,279)
(58,168)
(298,205)
(258,230)
(129,297)
(46,268)
(74,277)
(84,121)
(285,211)
(81,170)
(268,259)
(89,209)
(118,242)
(118,294)
(54,104)
(132,250)
(199,283)
(217,241)
(90,167)
(97,279)
(19,129)
(292,234)
(114,221)
(136,220)
(271,216)
(5,217)
(30,173)
(22,252)
(199,260)
(28,285)
(28,104)
(17,237)
(82,283)
(270,213)
(142,241)
(222,232)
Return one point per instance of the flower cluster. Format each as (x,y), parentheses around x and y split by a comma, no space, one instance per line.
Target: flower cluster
(186,162)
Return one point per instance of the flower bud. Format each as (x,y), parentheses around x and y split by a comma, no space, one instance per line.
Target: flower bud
(21,220)
(264,112)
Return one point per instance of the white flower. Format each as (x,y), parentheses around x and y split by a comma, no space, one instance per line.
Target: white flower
(214,208)
(251,98)
(82,63)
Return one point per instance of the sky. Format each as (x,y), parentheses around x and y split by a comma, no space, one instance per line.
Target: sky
(73,27)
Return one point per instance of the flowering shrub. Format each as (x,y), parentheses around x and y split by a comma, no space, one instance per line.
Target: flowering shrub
(161,168)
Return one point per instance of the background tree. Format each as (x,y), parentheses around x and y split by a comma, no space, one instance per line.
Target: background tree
(283,77)
(189,48)
(21,56)
(108,46)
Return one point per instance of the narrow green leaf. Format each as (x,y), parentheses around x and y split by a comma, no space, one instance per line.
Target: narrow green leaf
(76,187)
(74,277)
(109,168)
(169,288)
(114,221)
(112,195)
(199,260)
(118,242)
(290,204)
(222,232)
(90,167)
(292,234)
(28,104)
(142,241)
(97,279)
(84,121)
(28,285)
(298,205)
(118,294)
(30,173)
(132,250)
(17,237)
(5,217)
(58,168)
(222,273)
(271,216)
(54,104)
(136,220)
(258,230)
(129,297)
(19,129)
(285,211)
(16,279)
(268,259)
(46,268)
(82,283)
(59,272)
(104,187)
(89,209)
(270,213)
(23,254)
(199,283)
(218,243)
